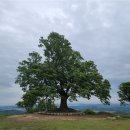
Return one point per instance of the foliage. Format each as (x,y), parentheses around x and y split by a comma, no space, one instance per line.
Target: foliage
(100,113)
(63,74)
(110,114)
(124,93)
(31,104)
(89,111)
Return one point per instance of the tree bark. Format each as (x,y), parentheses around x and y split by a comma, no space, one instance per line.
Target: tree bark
(63,103)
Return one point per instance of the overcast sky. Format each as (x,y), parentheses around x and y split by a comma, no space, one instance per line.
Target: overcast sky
(99,29)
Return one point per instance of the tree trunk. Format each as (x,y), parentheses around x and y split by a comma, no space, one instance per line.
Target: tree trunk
(63,103)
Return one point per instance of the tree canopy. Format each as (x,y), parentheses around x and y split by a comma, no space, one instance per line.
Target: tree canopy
(124,92)
(60,72)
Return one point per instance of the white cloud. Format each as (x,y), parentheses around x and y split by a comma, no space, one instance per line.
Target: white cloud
(10,95)
(98,29)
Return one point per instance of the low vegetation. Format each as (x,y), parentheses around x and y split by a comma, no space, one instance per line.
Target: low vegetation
(89,111)
(43,122)
(101,113)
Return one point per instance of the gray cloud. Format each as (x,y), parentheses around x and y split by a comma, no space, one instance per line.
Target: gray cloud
(98,29)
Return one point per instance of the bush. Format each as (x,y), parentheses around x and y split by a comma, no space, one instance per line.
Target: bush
(40,105)
(89,111)
(45,105)
(106,113)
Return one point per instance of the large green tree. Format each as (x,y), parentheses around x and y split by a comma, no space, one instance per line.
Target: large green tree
(124,92)
(62,73)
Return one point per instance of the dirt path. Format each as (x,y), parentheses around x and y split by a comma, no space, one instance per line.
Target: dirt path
(32,117)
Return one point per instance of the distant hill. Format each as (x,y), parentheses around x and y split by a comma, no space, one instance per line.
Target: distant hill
(116,108)
(11,110)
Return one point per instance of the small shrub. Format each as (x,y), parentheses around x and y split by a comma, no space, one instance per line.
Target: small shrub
(89,111)
(106,113)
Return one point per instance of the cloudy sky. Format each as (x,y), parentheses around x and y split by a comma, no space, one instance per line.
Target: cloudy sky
(99,29)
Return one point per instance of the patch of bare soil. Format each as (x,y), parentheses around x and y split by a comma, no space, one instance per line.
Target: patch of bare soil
(36,116)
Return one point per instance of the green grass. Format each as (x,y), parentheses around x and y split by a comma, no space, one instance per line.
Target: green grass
(57,124)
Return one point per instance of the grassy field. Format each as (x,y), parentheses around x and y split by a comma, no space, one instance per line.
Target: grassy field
(42,122)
